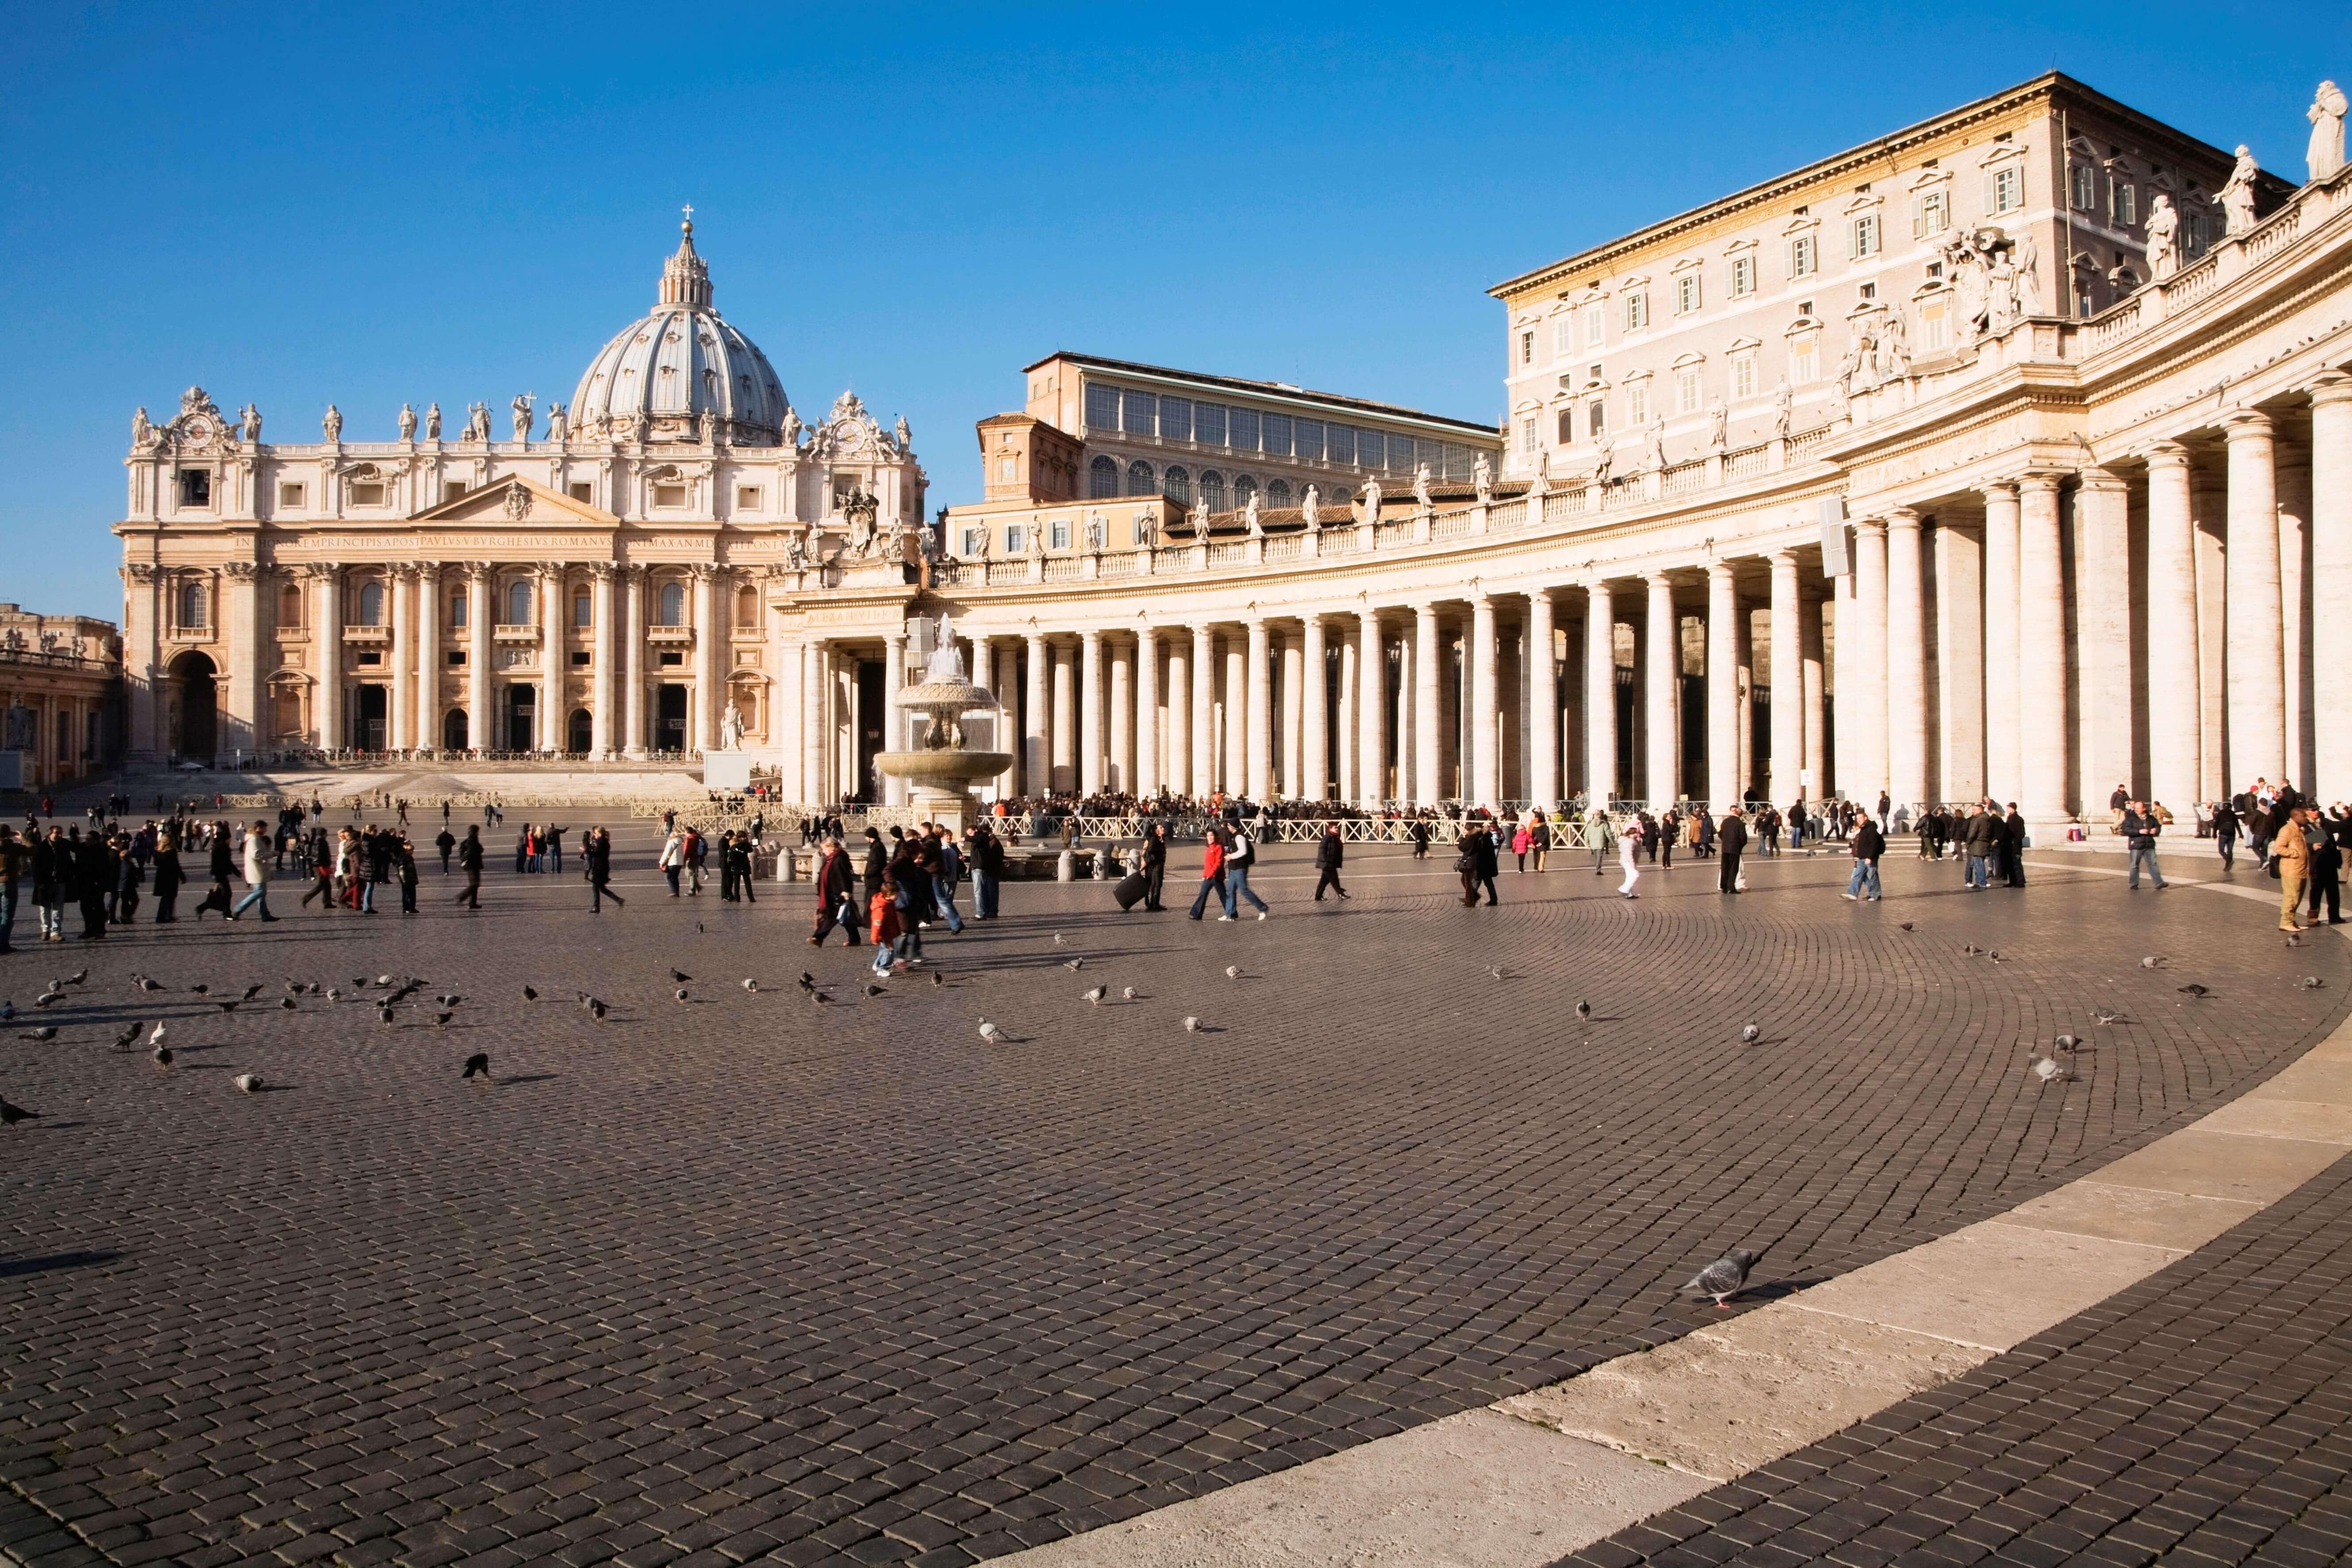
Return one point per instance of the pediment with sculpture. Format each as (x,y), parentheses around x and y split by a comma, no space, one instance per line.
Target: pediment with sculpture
(516,501)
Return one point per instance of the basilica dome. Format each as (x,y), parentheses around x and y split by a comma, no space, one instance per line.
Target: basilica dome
(661,374)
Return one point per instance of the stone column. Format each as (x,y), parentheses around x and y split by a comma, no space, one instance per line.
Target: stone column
(1233,775)
(1722,687)
(2042,650)
(143,661)
(2257,643)
(1091,711)
(2294,470)
(1867,669)
(1398,748)
(1314,708)
(1257,780)
(1601,695)
(2000,684)
(1428,788)
(607,685)
(631,590)
(1372,680)
(1119,755)
(2103,637)
(1543,705)
(709,701)
(481,723)
(1907,661)
(1960,664)
(550,737)
(1788,684)
(329,619)
(894,717)
(1663,693)
(1348,720)
(1294,691)
(816,716)
(1177,775)
(1066,716)
(1486,740)
(428,658)
(1008,689)
(1147,712)
(2174,703)
(1036,735)
(2209,511)
(2331,580)
(400,733)
(1816,695)
(1204,711)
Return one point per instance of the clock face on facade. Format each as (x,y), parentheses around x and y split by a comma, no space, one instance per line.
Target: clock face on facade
(199,431)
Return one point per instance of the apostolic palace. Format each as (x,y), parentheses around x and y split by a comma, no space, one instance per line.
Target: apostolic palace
(2010,453)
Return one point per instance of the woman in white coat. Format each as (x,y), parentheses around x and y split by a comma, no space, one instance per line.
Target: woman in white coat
(1626,843)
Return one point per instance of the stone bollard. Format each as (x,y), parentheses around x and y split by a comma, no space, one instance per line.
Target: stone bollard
(1102,863)
(1066,868)
(785,870)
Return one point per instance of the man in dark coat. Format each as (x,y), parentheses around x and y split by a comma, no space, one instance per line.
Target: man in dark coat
(1328,856)
(1730,838)
(2013,836)
(222,868)
(836,896)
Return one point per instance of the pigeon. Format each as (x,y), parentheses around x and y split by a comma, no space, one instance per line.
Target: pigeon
(597,1010)
(807,981)
(145,983)
(442,1018)
(201,989)
(227,1005)
(1074,964)
(385,980)
(1994,953)
(680,994)
(334,995)
(938,979)
(1497,971)
(873,990)
(7,1011)
(162,1054)
(251,991)
(2313,983)
(1095,995)
(1192,1025)
(12,1114)
(991,1033)
(2049,1069)
(156,1038)
(45,1032)
(384,1014)
(75,979)
(2196,991)
(1058,938)
(1903,925)
(680,975)
(2294,938)
(48,998)
(2151,962)
(1584,1010)
(1750,1034)
(2067,1043)
(124,1038)
(528,994)
(819,998)
(1726,1276)
(752,986)
(2109,1016)
(449,1000)
(1232,972)
(286,1004)
(1970,950)
(247,1082)
(477,1066)
(1127,991)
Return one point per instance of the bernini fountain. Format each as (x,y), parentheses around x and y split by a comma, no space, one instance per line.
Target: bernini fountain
(939,774)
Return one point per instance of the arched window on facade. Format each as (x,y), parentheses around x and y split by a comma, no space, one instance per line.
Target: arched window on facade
(519,603)
(1212,489)
(289,607)
(584,608)
(1244,487)
(371,605)
(1139,479)
(459,607)
(1102,479)
(1177,485)
(747,608)
(673,606)
(193,599)
(1340,496)
(1277,494)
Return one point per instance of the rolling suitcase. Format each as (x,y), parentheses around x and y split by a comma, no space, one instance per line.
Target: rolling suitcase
(1131,891)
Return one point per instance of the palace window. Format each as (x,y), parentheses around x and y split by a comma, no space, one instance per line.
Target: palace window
(367,492)
(671,605)
(747,498)
(1213,490)
(2004,189)
(1209,424)
(1563,337)
(456,659)
(1565,433)
(291,496)
(452,489)
(1138,413)
(192,602)
(371,605)
(519,597)
(1102,407)
(1686,294)
(1139,479)
(582,492)
(290,607)
(1007,468)
(1935,326)
(1802,259)
(1368,448)
(2082,187)
(1596,322)
(1102,478)
(1401,454)
(973,540)
(1804,358)
(1865,236)
(1016,539)
(1307,440)
(1277,494)
(1244,431)
(1528,441)
(1526,348)
(1637,311)
(1596,419)
(1175,418)
(669,495)
(195,487)
(583,609)
(1274,434)
(1933,216)
(1743,277)
(747,608)
(2123,204)
(1687,391)
(1058,538)
(1743,375)
(671,658)
(580,659)
(1244,487)
(1637,403)
(2192,229)
(1177,485)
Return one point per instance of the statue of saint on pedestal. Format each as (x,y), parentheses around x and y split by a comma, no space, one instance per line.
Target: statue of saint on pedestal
(2325,152)
(407,422)
(2163,239)
(2237,194)
(730,728)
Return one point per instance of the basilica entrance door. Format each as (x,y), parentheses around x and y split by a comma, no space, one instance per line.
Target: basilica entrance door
(669,719)
(195,723)
(370,718)
(522,716)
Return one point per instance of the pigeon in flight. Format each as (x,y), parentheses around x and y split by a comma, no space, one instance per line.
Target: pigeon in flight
(2050,1070)
(1750,1034)
(12,1114)
(247,1082)
(46,1032)
(991,1033)
(1096,993)
(1724,1278)
(477,1066)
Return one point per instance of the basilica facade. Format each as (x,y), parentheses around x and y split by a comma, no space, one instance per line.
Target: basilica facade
(596,588)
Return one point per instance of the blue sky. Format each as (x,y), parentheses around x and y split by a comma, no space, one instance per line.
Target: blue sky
(376,204)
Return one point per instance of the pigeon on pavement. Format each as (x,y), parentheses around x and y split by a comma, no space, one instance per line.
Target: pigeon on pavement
(477,1066)
(1232,972)
(12,1114)
(1074,964)
(1096,993)
(1726,1276)
(1750,1034)
(2196,992)
(1584,1010)
(162,1054)
(2049,1069)
(45,1032)
(528,994)
(247,1082)
(991,1033)
(1192,1025)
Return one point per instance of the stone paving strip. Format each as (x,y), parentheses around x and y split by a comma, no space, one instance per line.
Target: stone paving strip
(1546,1473)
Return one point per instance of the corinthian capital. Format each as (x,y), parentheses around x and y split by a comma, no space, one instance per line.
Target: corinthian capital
(140,572)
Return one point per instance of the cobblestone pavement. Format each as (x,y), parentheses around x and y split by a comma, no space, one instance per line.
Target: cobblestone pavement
(747,1277)
(2203,1415)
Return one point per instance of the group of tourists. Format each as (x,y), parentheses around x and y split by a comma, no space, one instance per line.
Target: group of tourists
(907,884)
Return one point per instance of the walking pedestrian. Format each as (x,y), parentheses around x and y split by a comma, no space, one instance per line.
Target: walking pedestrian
(987,861)
(1241,854)
(404,873)
(596,849)
(2225,834)
(1731,839)
(1868,844)
(2139,828)
(836,895)
(1629,856)
(15,861)
(2326,869)
(1480,860)
(219,865)
(257,874)
(1155,867)
(469,860)
(169,878)
(1330,855)
(2013,839)
(2291,863)
(672,859)
(947,870)
(1212,871)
